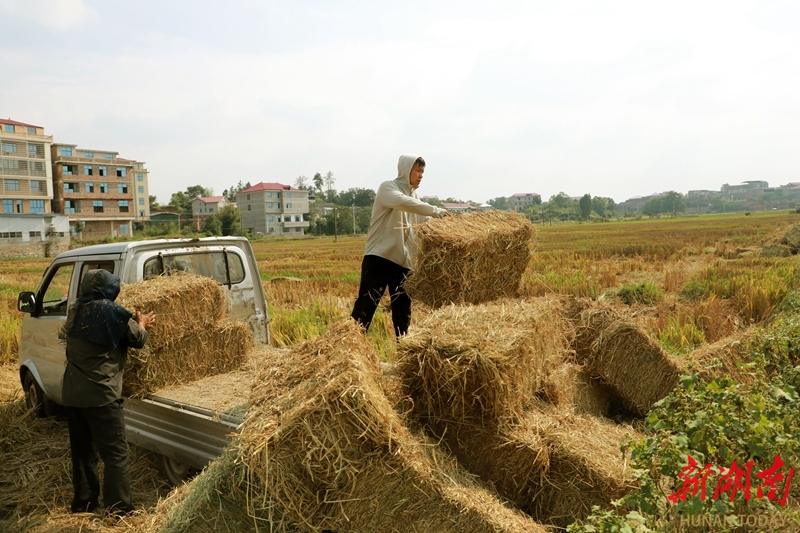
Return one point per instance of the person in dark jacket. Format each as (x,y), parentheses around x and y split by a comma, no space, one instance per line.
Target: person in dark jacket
(99,333)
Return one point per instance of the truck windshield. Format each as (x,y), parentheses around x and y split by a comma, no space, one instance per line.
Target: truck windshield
(217,265)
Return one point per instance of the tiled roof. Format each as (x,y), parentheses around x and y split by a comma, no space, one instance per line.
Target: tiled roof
(526,194)
(209,199)
(269,186)
(15,123)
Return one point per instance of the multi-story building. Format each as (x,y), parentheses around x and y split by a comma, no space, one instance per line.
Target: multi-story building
(27,185)
(204,206)
(518,202)
(141,192)
(273,208)
(98,191)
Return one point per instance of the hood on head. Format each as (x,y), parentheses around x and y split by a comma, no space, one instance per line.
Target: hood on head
(99,284)
(404,166)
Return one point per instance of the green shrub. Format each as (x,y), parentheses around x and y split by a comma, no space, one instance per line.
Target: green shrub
(644,293)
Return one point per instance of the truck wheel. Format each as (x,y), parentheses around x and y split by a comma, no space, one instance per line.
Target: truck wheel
(176,472)
(37,403)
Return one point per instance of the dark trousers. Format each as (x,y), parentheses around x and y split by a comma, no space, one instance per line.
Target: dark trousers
(99,431)
(377,274)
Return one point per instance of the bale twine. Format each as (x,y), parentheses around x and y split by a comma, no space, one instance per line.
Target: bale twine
(471,258)
(330,453)
(184,304)
(482,364)
(570,387)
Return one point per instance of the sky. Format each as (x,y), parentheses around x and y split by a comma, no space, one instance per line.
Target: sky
(613,98)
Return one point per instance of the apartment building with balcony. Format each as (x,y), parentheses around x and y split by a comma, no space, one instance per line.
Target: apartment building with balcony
(102,193)
(25,170)
(273,209)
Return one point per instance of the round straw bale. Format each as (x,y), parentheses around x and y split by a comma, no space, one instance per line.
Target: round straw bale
(485,362)
(471,258)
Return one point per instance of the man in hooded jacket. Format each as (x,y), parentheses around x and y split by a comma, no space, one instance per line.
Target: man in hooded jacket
(391,244)
(99,332)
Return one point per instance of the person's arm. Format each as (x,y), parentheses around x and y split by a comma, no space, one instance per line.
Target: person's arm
(394,198)
(136,334)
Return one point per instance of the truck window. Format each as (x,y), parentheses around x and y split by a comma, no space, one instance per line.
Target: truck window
(95,265)
(55,292)
(208,264)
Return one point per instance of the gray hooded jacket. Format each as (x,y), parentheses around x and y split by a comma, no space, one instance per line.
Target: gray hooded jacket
(397,208)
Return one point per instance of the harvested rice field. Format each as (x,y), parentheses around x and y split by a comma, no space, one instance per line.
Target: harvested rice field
(521,398)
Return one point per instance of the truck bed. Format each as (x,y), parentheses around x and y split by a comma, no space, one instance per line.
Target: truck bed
(192,423)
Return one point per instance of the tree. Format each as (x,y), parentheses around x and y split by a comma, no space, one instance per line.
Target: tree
(301,183)
(356,196)
(653,207)
(500,203)
(198,191)
(153,203)
(585,205)
(230,220)
(231,193)
(673,202)
(181,201)
(329,181)
(318,182)
(211,225)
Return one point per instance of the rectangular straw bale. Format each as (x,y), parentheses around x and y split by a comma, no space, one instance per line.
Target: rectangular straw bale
(330,453)
(221,347)
(470,258)
(482,363)
(633,365)
(553,465)
(183,304)
(569,386)
(586,464)
(724,357)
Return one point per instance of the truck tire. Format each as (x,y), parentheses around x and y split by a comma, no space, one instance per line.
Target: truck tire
(39,405)
(177,473)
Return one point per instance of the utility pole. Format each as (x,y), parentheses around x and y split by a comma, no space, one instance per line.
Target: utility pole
(335,227)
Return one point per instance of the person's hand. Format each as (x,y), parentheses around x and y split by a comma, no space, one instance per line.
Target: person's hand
(145,321)
(446,213)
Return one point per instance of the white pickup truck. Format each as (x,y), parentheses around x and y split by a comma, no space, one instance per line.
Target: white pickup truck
(177,423)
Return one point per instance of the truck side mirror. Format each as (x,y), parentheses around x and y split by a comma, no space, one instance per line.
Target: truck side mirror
(26,302)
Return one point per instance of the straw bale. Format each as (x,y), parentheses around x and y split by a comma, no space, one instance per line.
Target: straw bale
(471,258)
(586,464)
(633,365)
(483,363)
(724,357)
(184,304)
(329,452)
(219,348)
(554,465)
(570,386)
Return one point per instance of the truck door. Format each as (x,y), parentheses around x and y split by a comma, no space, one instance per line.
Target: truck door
(42,348)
